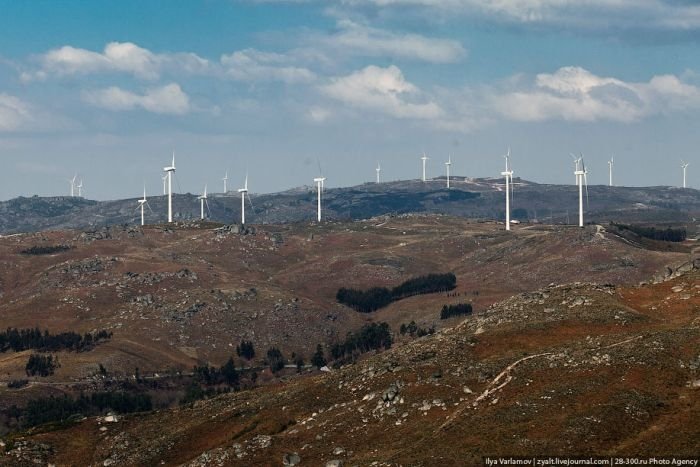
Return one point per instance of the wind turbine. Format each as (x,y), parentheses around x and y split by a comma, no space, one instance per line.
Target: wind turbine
(424,158)
(447,166)
(508,174)
(378,169)
(142,203)
(203,200)
(169,173)
(80,188)
(225,179)
(684,165)
(243,191)
(611,162)
(319,187)
(72,185)
(580,172)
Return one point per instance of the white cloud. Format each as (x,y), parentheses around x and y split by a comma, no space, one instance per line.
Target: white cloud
(354,38)
(319,114)
(255,65)
(168,99)
(14,113)
(613,16)
(382,90)
(123,57)
(575,94)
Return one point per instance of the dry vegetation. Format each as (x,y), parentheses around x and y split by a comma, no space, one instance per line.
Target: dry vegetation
(566,368)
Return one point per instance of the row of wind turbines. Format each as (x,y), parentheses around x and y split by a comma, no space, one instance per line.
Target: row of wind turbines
(580,173)
(169,173)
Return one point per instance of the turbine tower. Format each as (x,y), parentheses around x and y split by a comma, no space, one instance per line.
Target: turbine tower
(203,200)
(319,185)
(378,169)
(611,162)
(508,174)
(580,172)
(684,166)
(143,203)
(225,179)
(447,166)
(243,191)
(72,185)
(169,171)
(424,158)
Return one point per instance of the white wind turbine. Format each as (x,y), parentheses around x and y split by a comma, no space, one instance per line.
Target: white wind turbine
(580,172)
(611,162)
(447,166)
(378,169)
(225,180)
(79,186)
(142,204)
(72,185)
(203,200)
(508,174)
(424,158)
(319,186)
(684,166)
(169,173)
(243,191)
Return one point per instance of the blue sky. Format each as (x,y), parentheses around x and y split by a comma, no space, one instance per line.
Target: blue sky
(108,89)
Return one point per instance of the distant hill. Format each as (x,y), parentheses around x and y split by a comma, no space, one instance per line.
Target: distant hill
(469,198)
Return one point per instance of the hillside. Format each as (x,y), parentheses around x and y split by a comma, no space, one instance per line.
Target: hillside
(174,296)
(187,294)
(468,198)
(565,369)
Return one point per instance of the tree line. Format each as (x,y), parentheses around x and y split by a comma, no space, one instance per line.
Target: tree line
(666,235)
(225,374)
(448,311)
(58,409)
(45,250)
(371,336)
(25,339)
(367,301)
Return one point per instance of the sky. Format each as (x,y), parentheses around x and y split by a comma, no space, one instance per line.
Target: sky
(285,89)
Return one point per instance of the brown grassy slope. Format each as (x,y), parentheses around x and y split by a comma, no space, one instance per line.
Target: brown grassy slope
(174,297)
(575,369)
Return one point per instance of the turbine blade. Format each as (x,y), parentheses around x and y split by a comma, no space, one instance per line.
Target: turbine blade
(250,201)
(206,203)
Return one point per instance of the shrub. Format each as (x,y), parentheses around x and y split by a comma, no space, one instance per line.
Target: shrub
(413,330)
(17,383)
(275,359)
(43,365)
(246,350)
(318,360)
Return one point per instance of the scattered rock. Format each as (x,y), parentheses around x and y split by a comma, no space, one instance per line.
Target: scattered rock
(291,459)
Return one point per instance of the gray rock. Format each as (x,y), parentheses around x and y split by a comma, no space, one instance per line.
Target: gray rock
(291,459)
